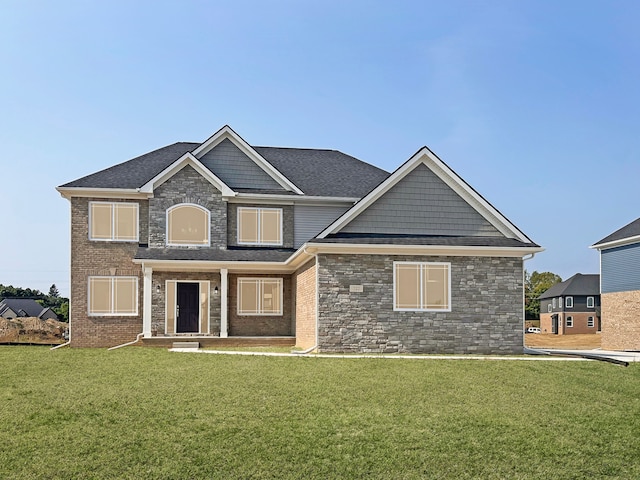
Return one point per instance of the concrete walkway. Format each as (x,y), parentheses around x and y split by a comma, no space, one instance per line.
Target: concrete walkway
(543,355)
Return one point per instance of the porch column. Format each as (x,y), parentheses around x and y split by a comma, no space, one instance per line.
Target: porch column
(146,302)
(224,287)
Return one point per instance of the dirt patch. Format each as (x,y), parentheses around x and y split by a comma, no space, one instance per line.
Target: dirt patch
(574,342)
(32,330)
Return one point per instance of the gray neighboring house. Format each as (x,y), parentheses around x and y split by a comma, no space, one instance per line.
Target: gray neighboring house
(11,308)
(620,287)
(225,243)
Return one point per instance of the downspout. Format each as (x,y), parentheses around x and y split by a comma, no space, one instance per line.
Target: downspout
(128,343)
(309,350)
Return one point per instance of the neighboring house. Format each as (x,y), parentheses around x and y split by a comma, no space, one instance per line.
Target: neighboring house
(25,307)
(572,306)
(226,243)
(620,287)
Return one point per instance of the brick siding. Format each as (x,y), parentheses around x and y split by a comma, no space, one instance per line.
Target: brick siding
(580,322)
(305,306)
(621,320)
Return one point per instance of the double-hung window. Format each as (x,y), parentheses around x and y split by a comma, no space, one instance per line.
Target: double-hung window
(113,221)
(421,286)
(590,302)
(259,296)
(590,322)
(113,296)
(259,226)
(569,322)
(569,302)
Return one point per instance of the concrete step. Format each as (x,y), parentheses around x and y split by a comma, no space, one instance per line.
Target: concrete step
(195,345)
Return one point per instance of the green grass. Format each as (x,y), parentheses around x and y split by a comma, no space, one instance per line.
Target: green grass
(149,413)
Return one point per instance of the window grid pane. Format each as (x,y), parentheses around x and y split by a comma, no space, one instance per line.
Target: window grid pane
(259,296)
(125,222)
(101,218)
(408,286)
(248,225)
(260,226)
(422,286)
(188,225)
(113,296)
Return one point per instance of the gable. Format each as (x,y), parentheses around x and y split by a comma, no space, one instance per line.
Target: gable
(421,204)
(236,169)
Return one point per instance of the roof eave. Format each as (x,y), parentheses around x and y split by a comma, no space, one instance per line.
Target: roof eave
(448,250)
(133,193)
(616,243)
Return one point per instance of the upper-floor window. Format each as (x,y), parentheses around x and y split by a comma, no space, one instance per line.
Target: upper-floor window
(113,296)
(113,221)
(421,286)
(590,302)
(259,226)
(560,302)
(569,302)
(553,301)
(187,225)
(549,309)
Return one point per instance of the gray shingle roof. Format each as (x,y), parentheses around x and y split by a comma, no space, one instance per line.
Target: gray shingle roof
(315,172)
(579,284)
(27,305)
(630,230)
(431,240)
(215,255)
(324,172)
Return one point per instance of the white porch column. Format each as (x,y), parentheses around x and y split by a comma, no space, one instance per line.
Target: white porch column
(224,294)
(146,301)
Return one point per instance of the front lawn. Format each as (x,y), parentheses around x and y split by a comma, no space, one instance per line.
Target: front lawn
(150,413)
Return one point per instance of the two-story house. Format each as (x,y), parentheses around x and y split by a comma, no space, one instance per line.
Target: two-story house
(572,306)
(620,287)
(226,242)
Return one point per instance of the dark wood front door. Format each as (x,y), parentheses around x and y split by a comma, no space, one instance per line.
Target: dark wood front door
(554,324)
(187,308)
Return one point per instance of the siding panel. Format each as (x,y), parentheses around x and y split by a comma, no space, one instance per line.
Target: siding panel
(235,169)
(422,204)
(620,269)
(311,220)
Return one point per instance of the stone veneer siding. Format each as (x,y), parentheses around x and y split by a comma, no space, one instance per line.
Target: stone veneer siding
(486,307)
(304,281)
(232,223)
(256,325)
(158,317)
(187,186)
(91,258)
(621,320)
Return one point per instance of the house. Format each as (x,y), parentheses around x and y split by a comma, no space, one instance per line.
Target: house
(620,287)
(572,306)
(25,307)
(222,242)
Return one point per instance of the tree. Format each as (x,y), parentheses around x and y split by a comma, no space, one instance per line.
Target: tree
(535,284)
(53,291)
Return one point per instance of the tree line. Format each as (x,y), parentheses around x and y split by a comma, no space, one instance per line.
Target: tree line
(535,284)
(52,299)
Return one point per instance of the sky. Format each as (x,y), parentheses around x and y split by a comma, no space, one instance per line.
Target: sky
(536,104)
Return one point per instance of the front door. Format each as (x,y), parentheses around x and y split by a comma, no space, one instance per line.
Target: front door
(554,324)
(187,308)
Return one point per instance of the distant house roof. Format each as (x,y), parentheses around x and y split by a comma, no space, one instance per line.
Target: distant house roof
(316,172)
(630,231)
(579,284)
(25,307)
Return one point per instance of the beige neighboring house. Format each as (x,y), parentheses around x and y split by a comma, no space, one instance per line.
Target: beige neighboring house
(227,243)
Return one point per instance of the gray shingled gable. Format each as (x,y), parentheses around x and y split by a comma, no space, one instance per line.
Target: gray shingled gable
(421,204)
(324,172)
(236,169)
(579,284)
(630,230)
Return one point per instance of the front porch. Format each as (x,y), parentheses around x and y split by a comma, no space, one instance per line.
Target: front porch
(208,341)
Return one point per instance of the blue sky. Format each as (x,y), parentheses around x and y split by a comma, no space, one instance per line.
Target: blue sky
(536,104)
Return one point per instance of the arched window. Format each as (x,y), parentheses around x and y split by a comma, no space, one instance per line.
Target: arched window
(187,225)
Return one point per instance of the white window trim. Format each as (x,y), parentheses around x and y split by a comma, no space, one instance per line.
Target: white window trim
(568,302)
(593,302)
(549,308)
(259,210)
(113,221)
(175,304)
(569,322)
(448,309)
(173,207)
(553,301)
(591,322)
(260,279)
(112,278)
(560,303)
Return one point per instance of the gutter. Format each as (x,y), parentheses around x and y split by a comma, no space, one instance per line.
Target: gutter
(570,353)
(128,343)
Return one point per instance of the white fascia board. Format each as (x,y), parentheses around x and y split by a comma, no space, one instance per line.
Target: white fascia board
(128,193)
(175,167)
(439,168)
(617,243)
(227,132)
(448,250)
